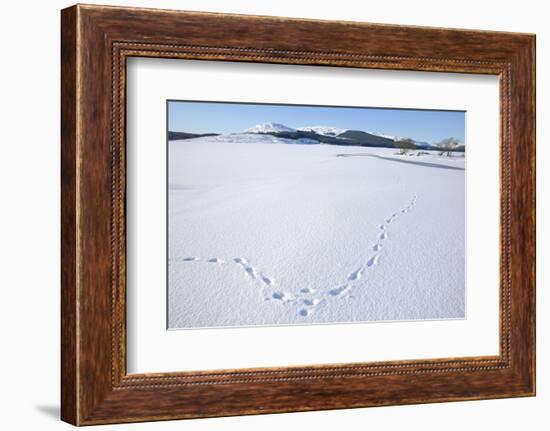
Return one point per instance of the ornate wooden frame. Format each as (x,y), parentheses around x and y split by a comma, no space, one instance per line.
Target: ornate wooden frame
(96,41)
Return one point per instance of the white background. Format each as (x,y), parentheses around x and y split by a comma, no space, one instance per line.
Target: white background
(151,348)
(29,224)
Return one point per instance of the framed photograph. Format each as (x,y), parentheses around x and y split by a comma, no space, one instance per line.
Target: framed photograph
(315,211)
(263,214)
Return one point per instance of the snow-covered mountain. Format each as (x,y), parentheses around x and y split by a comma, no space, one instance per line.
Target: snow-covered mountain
(323,130)
(269,128)
(254,138)
(279,133)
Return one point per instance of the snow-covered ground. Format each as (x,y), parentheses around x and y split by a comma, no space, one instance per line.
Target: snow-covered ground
(299,234)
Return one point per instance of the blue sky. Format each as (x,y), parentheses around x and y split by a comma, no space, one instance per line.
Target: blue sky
(422,125)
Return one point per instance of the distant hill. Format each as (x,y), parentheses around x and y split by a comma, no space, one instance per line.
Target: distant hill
(365,139)
(176,136)
(320,134)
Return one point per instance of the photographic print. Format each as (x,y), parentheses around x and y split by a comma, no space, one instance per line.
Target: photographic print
(297,214)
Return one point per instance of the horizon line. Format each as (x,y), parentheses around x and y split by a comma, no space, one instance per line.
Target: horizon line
(379,134)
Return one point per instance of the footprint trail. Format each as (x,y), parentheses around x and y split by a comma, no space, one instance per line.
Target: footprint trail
(345,288)
(307,298)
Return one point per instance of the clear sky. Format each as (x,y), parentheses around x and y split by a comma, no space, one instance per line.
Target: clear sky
(421,125)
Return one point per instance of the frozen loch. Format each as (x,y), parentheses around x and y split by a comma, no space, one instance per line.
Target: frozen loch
(268,231)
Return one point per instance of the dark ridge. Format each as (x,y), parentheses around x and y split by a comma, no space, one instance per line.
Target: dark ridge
(365,139)
(300,134)
(176,136)
(355,138)
(349,137)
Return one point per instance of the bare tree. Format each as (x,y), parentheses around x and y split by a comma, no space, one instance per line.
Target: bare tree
(405,145)
(447,146)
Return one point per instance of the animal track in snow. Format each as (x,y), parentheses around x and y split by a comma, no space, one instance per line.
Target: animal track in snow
(373,260)
(248,269)
(311,302)
(267,280)
(282,296)
(251,272)
(254,273)
(355,275)
(339,290)
(361,272)
(215,260)
(390,219)
(307,290)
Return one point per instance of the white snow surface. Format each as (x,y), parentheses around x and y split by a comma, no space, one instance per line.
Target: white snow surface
(300,234)
(323,130)
(269,128)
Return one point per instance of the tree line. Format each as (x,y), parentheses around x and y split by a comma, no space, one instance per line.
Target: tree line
(445,147)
